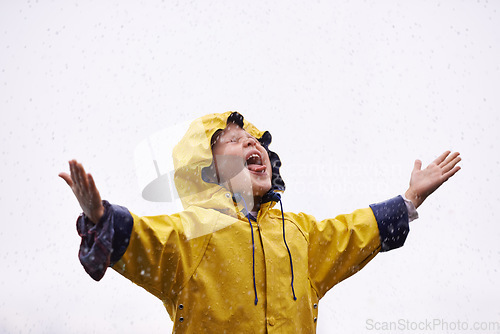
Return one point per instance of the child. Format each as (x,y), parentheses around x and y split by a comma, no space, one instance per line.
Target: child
(231,261)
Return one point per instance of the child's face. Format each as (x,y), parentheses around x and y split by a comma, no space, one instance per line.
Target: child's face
(242,163)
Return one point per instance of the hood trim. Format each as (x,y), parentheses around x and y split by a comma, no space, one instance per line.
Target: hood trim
(195,178)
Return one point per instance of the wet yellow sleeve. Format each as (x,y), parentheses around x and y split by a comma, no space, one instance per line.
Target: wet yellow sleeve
(339,247)
(159,257)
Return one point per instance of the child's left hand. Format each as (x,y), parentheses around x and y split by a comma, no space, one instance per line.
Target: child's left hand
(424,182)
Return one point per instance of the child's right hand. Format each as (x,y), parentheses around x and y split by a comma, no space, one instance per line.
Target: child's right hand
(84,188)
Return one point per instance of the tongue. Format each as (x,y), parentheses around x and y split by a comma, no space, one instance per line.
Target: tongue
(256,168)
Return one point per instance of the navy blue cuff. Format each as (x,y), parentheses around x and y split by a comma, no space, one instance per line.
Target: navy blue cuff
(392,220)
(104,243)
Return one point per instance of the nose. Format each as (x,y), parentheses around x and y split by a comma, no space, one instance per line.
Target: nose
(250,141)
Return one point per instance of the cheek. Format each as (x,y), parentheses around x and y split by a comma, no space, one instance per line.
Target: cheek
(229,166)
(270,171)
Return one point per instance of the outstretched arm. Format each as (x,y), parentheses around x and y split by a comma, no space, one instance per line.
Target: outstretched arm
(424,182)
(86,192)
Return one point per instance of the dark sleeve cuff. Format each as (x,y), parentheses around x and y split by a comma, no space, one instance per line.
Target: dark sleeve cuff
(392,220)
(104,243)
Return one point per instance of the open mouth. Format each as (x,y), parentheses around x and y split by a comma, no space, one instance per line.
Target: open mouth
(254,163)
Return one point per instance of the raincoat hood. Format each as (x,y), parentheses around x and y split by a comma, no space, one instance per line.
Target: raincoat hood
(194,169)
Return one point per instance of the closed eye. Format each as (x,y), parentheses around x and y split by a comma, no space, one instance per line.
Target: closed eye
(238,139)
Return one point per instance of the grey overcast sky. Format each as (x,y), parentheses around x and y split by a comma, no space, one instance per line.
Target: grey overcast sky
(352,91)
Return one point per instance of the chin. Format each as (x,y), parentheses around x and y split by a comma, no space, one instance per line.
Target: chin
(260,190)
(250,185)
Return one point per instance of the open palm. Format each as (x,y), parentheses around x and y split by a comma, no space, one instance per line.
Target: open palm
(86,192)
(424,182)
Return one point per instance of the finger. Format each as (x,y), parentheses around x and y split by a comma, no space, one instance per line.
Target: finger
(74,174)
(451,173)
(417,165)
(78,180)
(66,177)
(441,158)
(446,168)
(83,176)
(92,187)
(448,159)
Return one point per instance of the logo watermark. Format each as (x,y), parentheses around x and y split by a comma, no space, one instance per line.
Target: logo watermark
(433,325)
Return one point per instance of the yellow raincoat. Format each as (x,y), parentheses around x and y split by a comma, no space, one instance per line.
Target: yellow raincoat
(199,261)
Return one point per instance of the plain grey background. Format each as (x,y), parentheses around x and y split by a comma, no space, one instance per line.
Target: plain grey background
(352,91)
